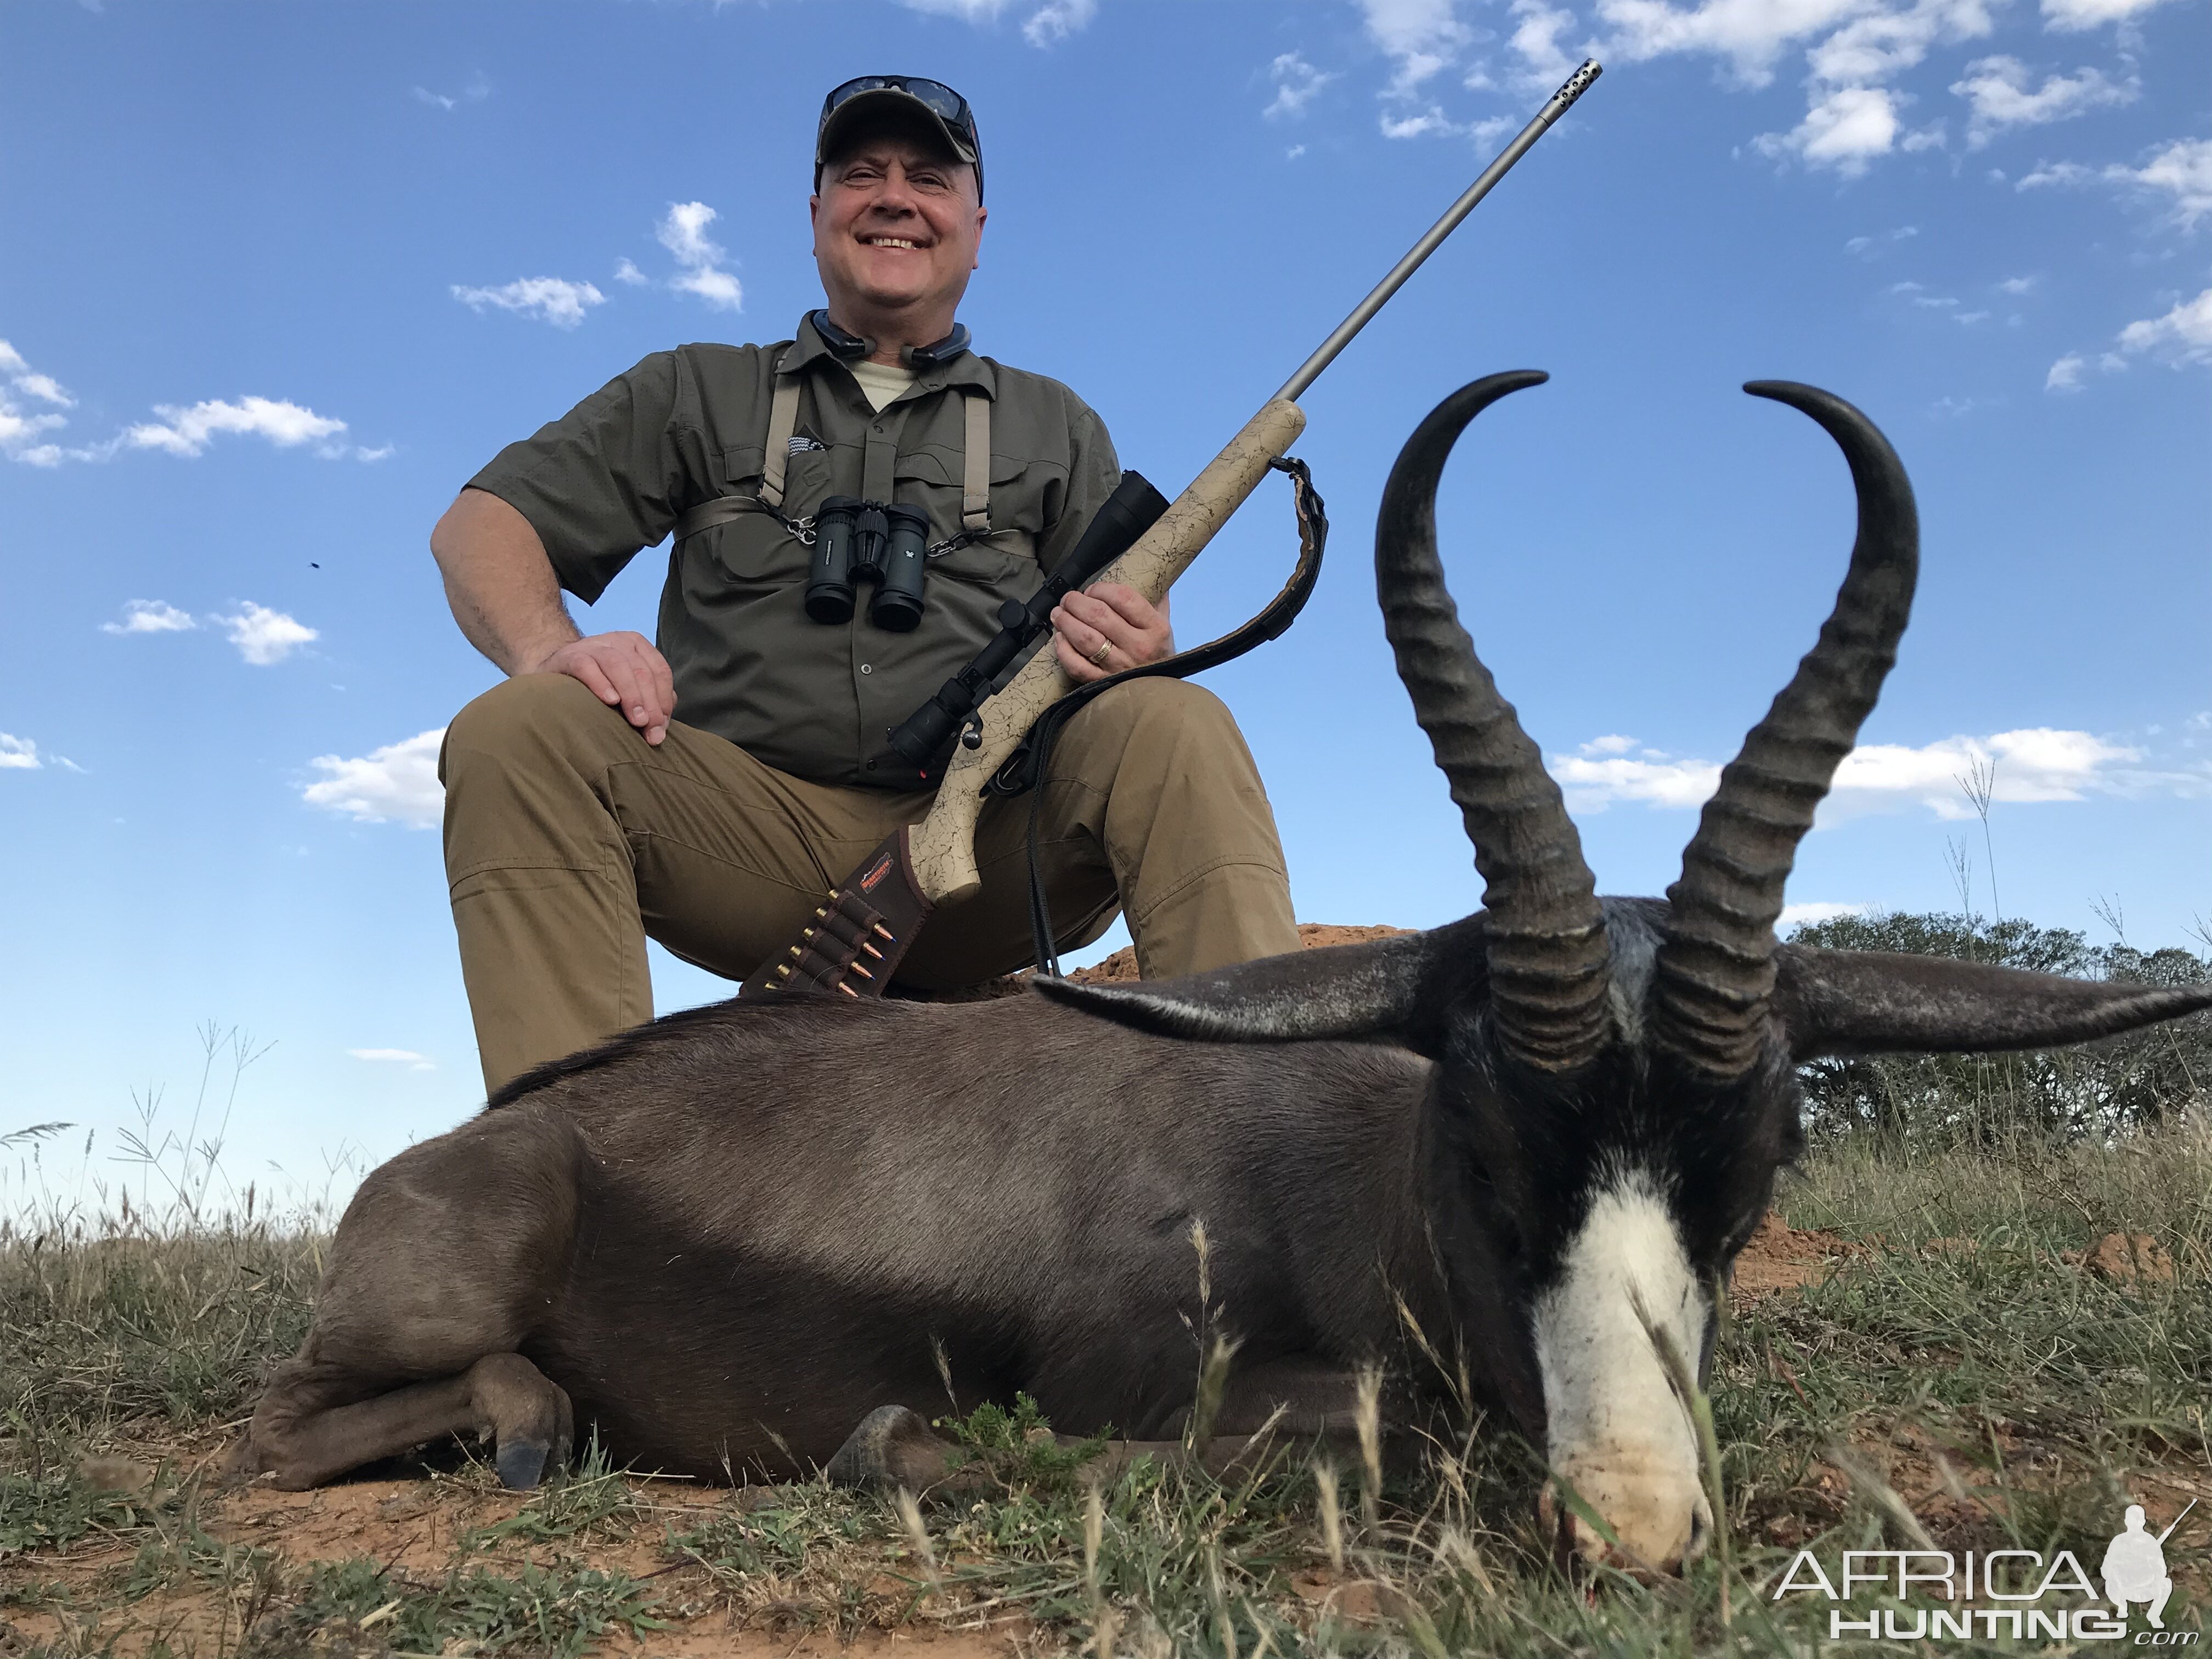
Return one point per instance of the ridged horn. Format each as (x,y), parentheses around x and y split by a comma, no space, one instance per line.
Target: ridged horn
(1549,965)
(1716,972)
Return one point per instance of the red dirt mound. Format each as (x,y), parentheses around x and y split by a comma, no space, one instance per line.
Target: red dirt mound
(1781,1257)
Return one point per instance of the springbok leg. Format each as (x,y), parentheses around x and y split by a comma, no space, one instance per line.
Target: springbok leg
(502,1397)
(894,1447)
(444,1261)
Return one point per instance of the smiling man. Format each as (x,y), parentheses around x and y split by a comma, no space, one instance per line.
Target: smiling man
(582,815)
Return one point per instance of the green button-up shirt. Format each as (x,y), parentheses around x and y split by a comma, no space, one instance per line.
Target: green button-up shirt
(612,476)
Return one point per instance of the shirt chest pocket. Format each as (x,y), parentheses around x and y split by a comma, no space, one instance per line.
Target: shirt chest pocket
(755,548)
(1023,495)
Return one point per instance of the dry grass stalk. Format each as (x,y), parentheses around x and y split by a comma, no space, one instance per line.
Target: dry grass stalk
(1368,1416)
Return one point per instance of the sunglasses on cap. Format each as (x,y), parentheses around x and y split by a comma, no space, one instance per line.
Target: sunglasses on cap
(950,108)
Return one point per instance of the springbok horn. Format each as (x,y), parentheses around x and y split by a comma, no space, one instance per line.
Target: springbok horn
(1546,940)
(1716,972)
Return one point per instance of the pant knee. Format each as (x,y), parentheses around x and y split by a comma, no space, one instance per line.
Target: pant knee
(1165,703)
(1149,720)
(531,714)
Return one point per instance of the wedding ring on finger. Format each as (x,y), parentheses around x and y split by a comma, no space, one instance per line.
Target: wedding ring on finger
(1105,650)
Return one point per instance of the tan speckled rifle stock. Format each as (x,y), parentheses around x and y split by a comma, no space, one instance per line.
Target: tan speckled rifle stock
(944,842)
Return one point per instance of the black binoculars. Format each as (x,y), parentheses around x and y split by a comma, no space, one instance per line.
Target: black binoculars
(857,541)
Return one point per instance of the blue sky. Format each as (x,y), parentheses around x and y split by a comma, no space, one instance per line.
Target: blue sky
(274,280)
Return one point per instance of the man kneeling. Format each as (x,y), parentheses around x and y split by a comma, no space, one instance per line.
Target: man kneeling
(582,815)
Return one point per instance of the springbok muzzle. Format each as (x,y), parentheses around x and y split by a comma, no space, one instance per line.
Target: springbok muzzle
(1618,1429)
(1650,1501)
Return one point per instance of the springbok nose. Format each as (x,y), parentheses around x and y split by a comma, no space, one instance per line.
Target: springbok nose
(1657,1512)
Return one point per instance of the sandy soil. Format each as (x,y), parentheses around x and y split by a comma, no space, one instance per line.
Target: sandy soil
(415,1526)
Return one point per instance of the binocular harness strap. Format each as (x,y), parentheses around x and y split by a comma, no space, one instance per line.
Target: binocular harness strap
(976,482)
(782,422)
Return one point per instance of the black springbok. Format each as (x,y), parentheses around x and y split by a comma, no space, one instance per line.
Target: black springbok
(729,1238)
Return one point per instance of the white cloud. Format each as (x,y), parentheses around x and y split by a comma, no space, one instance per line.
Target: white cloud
(180,431)
(1869,245)
(19,431)
(2032,765)
(1057,19)
(2046,173)
(2016,284)
(1430,123)
(475,92)
(1814,911)
(2183,335)
(1883,44)
(625,271)
(1998,97)
(407,1057)
(1536,38)
(1297,82)
(187,432)
(2071,16)
(2183,169)
(1846,130)
(683,232)
(396,784)
(150,617)
(22,755)
(1750,34)
(2181,172)
(548,299)
(1852,48)
(1053,21)
(1420,37)
(45,388)
(264,636)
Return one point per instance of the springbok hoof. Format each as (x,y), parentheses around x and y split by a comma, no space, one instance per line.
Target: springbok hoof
(893,1447)
(520,1463)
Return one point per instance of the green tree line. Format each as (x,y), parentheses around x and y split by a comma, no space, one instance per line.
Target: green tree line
(2057,1095)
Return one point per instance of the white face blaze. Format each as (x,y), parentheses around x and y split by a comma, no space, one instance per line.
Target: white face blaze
(1617,1432)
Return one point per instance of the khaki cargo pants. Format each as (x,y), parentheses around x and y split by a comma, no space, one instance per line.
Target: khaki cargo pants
(570,839)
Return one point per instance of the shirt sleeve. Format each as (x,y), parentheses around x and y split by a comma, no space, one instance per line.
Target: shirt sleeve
(1092,473)
(608,478)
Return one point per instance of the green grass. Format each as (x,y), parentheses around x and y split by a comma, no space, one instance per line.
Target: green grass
(2013,1398)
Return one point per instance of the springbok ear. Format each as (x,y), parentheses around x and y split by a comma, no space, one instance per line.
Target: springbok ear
(1387,989)
(1871,1002)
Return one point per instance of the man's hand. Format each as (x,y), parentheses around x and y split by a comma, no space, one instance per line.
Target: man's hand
(624,672)
(1107,630)
(505,597)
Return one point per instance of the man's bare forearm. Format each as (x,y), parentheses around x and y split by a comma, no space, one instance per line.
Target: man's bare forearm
(500,582)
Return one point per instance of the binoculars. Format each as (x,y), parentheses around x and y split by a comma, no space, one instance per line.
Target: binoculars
(857,541)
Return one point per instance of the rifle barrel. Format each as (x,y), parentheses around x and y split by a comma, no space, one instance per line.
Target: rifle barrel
(2176,1522)
(1561,101)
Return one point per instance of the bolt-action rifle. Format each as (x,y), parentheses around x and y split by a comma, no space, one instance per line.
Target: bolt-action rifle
(858,933)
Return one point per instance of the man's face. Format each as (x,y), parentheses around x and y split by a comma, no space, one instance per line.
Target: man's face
(896,227)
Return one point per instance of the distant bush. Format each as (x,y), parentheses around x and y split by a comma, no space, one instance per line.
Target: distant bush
(2057,1095)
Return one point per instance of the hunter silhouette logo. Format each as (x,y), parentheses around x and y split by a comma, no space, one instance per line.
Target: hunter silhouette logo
(2017,1582)
(2134,1568)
